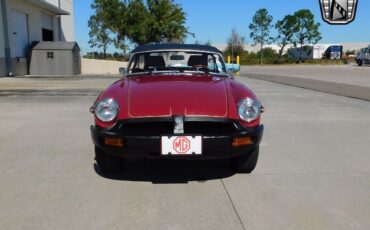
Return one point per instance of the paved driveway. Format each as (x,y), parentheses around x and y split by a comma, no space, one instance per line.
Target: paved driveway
(313,172)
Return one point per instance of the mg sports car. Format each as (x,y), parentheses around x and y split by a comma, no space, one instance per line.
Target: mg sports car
(177,102)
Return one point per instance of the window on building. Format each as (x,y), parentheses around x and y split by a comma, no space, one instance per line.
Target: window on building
(50,55)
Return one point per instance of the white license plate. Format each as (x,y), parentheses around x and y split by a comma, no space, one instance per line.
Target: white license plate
(181,145)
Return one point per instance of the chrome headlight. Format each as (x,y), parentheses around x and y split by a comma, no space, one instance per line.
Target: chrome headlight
(106,110)
(249,109)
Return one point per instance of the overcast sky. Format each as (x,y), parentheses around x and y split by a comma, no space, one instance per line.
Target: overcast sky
(213,19)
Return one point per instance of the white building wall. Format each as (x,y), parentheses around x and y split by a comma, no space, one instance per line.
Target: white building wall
(68,33)
(34,23)
(34,17)
(67,21)
(34,14)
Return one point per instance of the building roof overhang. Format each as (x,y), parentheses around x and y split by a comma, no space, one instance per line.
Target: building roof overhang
(49,7)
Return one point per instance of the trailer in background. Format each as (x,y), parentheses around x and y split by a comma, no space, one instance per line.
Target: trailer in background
(363,56)
(334,52)
(317,51)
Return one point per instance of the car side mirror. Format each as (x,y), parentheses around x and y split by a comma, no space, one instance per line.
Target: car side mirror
(122,71)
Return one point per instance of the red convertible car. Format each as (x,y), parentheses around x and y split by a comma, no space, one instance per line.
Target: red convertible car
(177,101)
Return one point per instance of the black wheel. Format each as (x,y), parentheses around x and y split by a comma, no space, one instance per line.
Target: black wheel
(359,62)
(245,164)
(108,163)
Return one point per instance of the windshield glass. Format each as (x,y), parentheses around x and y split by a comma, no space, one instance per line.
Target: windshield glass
(177,61)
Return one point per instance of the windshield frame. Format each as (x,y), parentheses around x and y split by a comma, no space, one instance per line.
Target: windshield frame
(218,60)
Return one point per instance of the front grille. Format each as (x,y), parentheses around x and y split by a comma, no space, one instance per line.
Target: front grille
(146,128)
(209,128)
(158,128)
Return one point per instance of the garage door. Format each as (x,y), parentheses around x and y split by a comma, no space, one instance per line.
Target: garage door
(20,39)
(47,27)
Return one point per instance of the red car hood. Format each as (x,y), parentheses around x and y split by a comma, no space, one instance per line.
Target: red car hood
(159,96)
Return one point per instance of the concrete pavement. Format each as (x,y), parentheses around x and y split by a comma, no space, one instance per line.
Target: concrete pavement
(312,173)
(70,85)
(343,74)
(344,80)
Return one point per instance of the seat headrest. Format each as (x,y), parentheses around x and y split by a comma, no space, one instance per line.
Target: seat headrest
(197,60)
(155,61)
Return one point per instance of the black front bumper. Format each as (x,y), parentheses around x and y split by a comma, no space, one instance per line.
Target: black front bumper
(149,146)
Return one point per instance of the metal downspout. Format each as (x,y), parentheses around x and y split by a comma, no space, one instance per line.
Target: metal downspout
(8,63)
(59,24)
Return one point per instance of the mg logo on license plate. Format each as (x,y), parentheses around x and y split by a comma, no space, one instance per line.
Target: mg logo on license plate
(181,145)
(338,12)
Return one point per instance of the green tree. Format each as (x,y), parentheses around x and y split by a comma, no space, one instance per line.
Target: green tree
(235,44)
(208,43)
(100,35)
(112,14)
(166,22)
(260,29)
(308,31)
(137,19)
(269,53)
(141,22)
(121,44)
(287,28)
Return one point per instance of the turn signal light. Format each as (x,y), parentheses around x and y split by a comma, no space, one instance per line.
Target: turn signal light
(117,142)
(241,141)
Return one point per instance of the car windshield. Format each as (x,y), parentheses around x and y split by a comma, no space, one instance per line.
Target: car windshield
(177,61)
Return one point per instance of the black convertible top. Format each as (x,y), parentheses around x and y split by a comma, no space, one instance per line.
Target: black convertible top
(191,47)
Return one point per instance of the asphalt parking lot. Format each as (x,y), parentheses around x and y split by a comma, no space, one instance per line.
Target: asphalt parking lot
(343,80)
(344,74)
(313,171)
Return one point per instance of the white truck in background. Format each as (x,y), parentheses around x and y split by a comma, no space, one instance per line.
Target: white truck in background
(363,56)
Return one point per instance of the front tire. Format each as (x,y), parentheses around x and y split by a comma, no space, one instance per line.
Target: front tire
(108,163)
(245,164)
